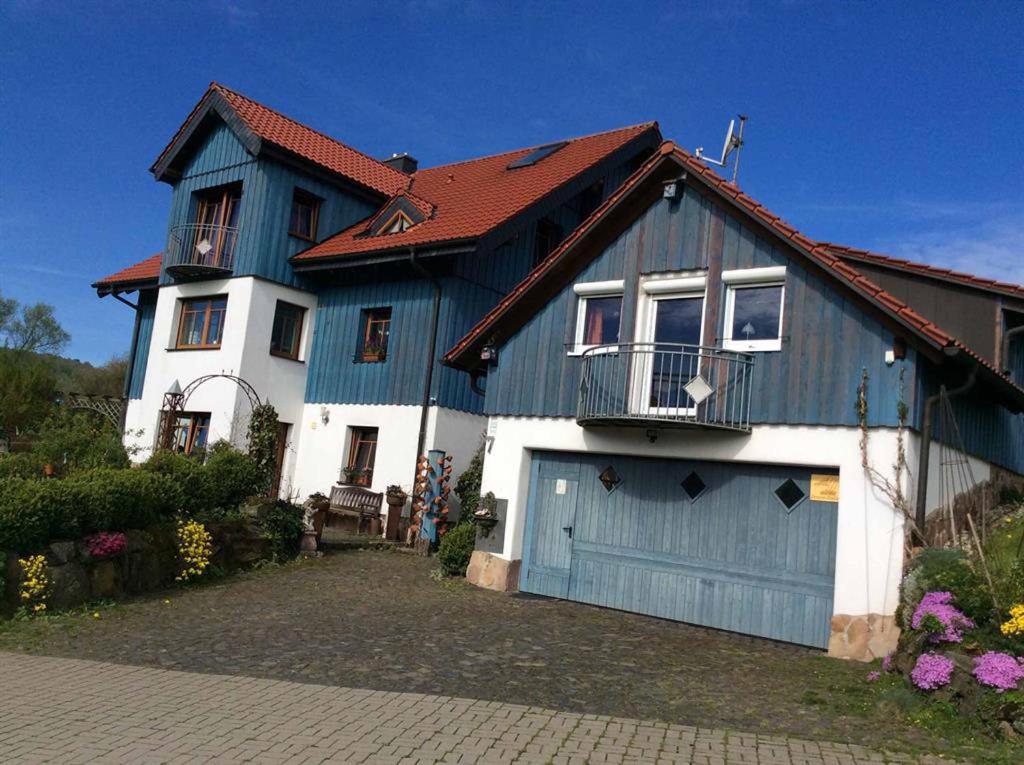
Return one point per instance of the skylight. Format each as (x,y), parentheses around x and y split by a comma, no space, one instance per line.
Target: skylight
(536,155)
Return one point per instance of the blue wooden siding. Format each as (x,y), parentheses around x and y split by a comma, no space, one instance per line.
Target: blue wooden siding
(827,341)
(334,375)
(264,245)
(479,280)
(986,429)
(147,311)
(734,559)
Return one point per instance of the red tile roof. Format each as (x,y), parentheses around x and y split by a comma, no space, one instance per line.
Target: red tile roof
(284,132)
(472,198)
(816,251)
(924,269)
(147,270)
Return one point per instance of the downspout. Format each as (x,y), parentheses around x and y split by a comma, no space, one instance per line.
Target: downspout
(921,499)
(428,377)
(1004,353)
(129,373)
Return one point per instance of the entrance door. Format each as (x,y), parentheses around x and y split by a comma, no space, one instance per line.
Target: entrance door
(675,321)
(549,533)
(283,428)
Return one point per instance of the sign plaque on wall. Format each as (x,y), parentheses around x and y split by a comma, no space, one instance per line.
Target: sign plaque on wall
(824,488)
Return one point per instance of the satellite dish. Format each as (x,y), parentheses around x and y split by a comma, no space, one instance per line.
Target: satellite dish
(733,142)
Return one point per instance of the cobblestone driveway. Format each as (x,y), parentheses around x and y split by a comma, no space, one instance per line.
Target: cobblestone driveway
(377,620)
(73,711)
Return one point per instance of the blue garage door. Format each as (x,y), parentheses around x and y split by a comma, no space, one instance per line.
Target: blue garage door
(725,545)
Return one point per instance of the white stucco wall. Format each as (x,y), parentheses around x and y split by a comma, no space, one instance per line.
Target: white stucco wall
(323,448)
(952,476)
(244,351)
(869,555)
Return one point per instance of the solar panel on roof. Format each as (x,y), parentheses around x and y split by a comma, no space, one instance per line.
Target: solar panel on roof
(535,156)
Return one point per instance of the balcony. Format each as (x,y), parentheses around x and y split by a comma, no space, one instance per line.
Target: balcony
(201,251)
(665,385)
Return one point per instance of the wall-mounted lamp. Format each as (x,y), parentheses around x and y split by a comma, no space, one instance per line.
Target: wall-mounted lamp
(325,415)
(489,354)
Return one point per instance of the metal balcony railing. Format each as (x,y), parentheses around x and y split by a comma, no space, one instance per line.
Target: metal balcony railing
(201,249)
(665,383)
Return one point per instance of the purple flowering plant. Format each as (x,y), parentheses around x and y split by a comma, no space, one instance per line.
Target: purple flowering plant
(998,670)
(105,544)
(943,621)
(931,671)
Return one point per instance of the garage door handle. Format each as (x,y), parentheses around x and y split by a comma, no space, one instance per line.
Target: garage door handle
(568,530)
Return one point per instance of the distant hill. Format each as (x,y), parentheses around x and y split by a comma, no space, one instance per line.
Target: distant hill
(74,376)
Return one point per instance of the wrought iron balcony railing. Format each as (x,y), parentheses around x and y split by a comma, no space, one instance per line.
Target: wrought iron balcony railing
(198,250)
(667,384)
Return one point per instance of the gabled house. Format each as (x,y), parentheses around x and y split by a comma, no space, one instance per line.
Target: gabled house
(332,283)
(676,402)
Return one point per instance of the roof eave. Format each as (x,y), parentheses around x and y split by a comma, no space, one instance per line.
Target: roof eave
(399,252)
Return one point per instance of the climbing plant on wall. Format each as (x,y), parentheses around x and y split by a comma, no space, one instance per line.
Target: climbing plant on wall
(263,441)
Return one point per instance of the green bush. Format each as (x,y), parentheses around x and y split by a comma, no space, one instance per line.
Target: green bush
(283,525)
(187,474)
(73,441)
(456,548)
(21,465)
(950,570)
(229,478)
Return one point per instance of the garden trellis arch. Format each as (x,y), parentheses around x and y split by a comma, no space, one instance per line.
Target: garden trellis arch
(176,400)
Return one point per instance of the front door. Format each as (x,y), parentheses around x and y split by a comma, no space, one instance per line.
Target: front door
(282,445)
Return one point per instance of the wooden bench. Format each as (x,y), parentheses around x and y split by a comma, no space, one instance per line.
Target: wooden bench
(357,502)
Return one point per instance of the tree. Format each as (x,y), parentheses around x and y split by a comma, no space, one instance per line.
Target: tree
(27,390)
(31,328)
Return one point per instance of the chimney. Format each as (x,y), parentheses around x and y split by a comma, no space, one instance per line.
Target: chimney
(403,163)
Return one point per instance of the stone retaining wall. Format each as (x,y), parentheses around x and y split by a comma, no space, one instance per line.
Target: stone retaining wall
(149,562)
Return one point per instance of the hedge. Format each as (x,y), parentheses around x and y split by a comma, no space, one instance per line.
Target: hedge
(456,548)
(34,511)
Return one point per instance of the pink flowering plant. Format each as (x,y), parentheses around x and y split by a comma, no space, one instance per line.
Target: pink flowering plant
(932,671)
(998,670)
(105,544)
(943,621)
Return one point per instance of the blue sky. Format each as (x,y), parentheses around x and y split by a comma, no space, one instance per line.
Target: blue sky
(892,126)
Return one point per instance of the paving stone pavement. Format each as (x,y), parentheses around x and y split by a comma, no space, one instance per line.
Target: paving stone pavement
(77,711)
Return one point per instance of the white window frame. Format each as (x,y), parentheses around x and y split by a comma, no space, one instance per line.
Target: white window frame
(652,289)
(585,291)
(774,276)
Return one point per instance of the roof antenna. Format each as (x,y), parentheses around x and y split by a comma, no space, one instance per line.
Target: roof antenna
(733,142)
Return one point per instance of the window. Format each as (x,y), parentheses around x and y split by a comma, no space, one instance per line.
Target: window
(547,237)
(609,478)
(789,494)
(398,223)
(694,486)
(305,212)
(286,333)
(362,452)
(202,322)
(753,309)
(217,225)
(376,332)
(598,314)
(536,155)
(191,430)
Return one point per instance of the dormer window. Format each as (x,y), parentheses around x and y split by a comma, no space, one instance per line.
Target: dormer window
(304,216)
(398,223)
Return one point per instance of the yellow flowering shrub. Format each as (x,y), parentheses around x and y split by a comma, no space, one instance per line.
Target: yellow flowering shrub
(195,547)
(34,584)
(1015,624)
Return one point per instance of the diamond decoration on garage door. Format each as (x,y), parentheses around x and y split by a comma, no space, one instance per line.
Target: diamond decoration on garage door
(693,485)
(790,494)
(610,479)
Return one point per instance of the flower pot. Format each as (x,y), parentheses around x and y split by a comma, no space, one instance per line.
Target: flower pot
(486,524)
(48,470)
